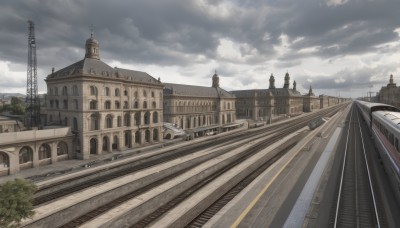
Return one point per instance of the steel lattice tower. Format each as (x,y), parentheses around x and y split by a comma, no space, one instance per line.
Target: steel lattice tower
(32,98)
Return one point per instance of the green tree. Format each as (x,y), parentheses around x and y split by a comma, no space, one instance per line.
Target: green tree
(16,101)
(18,109)
(16,202)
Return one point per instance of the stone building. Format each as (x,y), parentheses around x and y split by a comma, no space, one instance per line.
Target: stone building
(390,94)
(198,107)
(28,149)
(311,102)
(267,104)
(10,125)
(107,108)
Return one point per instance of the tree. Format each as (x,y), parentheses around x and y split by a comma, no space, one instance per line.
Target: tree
(16,202)
(16,101)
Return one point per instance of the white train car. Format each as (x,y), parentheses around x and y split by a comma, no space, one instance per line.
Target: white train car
(386,131)
(384,124)
(367,108)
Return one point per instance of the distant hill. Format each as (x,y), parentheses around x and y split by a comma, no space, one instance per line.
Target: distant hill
(7,96)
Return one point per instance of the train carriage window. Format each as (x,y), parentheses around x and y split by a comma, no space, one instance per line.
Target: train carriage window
(391,138)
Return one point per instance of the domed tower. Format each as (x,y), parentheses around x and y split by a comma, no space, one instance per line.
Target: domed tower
(272,82)
(391,82)
(92,48)
(215,80)
(294,85)
(287,80)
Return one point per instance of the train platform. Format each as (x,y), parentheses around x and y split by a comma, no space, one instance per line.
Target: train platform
(258,204)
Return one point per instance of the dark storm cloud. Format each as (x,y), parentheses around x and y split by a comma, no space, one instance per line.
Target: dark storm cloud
(350,78)
(175,32)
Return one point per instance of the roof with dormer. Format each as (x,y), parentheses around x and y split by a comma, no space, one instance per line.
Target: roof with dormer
(196,91)
(97,68)
(274,92)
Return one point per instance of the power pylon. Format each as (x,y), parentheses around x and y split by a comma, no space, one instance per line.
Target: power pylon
(32,113)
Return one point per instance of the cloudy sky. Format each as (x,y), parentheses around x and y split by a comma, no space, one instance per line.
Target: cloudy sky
(336,46)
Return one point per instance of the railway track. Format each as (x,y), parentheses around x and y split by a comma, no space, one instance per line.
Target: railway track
(222,201)
(254,149)
(103,208)
(167,156)
(356,204)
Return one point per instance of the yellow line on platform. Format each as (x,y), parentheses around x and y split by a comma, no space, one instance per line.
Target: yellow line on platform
(255,200)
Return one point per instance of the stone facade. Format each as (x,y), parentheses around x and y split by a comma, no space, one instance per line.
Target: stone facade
(311,102)
(390,94)
(190,107)
(107,108)
(29,149)
(266,104)
(10,125)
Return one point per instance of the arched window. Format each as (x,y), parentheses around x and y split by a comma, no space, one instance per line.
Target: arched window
(147,118)
(126,105)
(65,104)
(137,119)
(93,105)
(117,105)
(128,139)
(62,148)
(108,121)
(76,104)
(137,137)
(75,90)
(94,122)
(118,121)
(64,91)
(147,136)
(25,155)
(144,93)
(44,151)
(4,160)
(229,105)
(154,105)
(51,91)
(75,124)
(66,121)
(117,94)
(155,117)
(127,120)
(93,90)
(155,134)
(56,91)
(93,146)
(106,91)
(115,142)
(136,94)
(152,93)
(105,143)
(136,104)
(125,92)
(144,104)
(107,105)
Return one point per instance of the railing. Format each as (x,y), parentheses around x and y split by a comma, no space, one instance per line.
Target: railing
(13,137)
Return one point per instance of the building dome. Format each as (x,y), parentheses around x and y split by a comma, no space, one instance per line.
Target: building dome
(272,82)
(215,80)
(287,81)
(92,48)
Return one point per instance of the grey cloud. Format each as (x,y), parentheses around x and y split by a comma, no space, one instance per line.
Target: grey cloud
(175,32)
(349,79)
